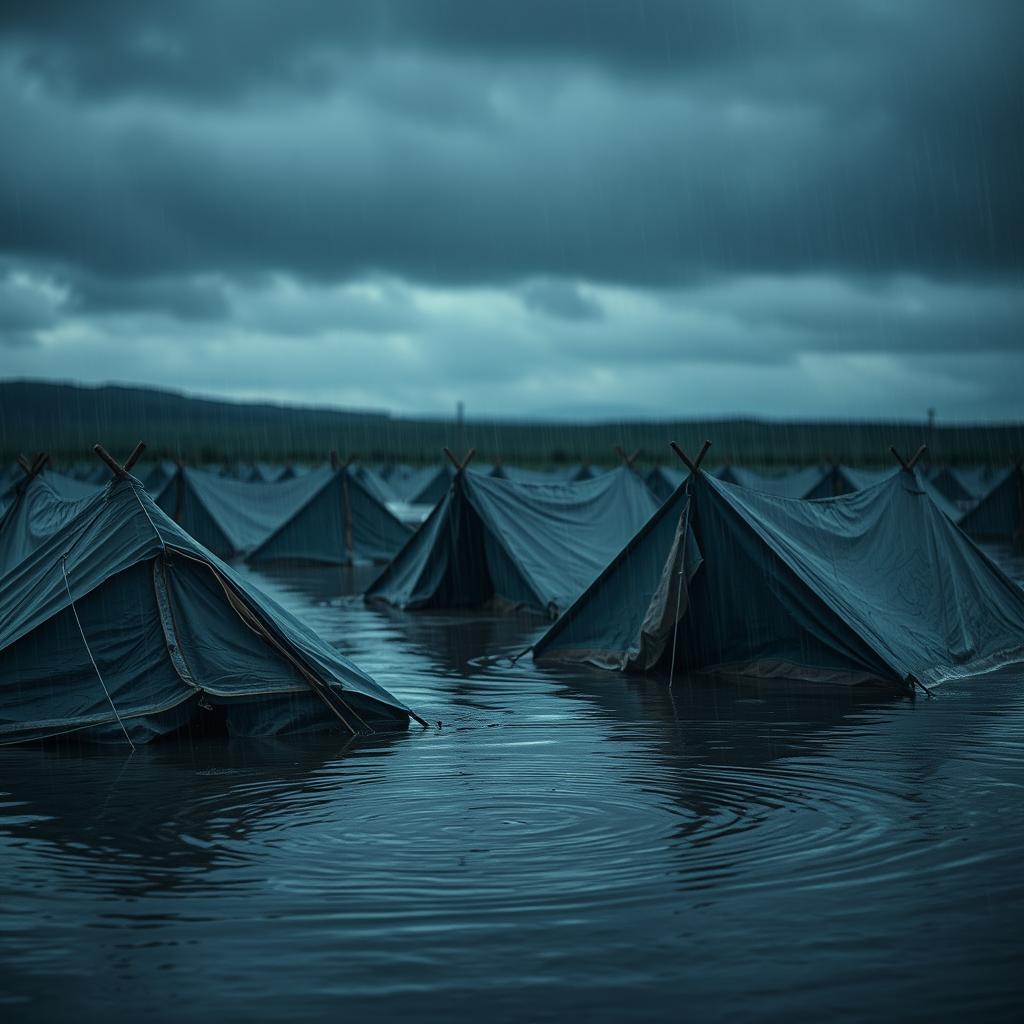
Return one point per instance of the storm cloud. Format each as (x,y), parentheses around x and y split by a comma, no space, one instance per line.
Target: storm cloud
(575,207)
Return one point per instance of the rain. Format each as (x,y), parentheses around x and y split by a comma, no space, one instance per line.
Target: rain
(511,509)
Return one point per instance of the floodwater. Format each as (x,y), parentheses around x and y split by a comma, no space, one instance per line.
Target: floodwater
(566,843)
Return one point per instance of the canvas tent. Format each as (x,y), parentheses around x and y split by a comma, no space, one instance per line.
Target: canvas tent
(533,546)
(999,515)
(663,481)
(874,585)
(327,516)
(121,623)
(37,511)
(341,521)
(796,483)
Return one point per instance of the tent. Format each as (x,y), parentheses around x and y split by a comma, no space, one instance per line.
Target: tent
(999,515)
(120,624)
(342,521)
(38,510)
(796,483)
(663,481)
(874,585)
(431,485)
(533,546)
(521,475)
(956,484)
(327,515)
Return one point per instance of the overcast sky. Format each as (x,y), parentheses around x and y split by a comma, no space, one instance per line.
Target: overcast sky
(567,208)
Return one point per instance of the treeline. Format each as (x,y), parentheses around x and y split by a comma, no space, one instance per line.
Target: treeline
(65,420)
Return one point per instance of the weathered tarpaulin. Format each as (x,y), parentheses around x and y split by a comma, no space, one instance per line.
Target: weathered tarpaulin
(341,521)
(328,515)
(795,483)
(999,515)
(120,600)
(874,585)
(528,545)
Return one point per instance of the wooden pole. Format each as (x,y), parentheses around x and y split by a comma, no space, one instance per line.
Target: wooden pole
(109,459)
(627,459)
(899,458)
(135,455)
(347,509)
(675,446)
(920,451)
(692,465)
(179,493)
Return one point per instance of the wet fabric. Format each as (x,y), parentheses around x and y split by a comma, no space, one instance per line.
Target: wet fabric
(797,483)
(999,515)
(73,488)
(170,629)
(342,522)
(36,513)
(875,585)
(327,515)
(523,475)
(663,480)
(232,517)
(533,546)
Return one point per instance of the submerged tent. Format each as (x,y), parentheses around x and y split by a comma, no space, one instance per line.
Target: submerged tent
(532,546)
(999,515)
(119,623)
(327,515)
(875,585)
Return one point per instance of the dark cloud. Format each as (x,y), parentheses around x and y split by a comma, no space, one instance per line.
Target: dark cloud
(562,299)
(777,172)
(179,297)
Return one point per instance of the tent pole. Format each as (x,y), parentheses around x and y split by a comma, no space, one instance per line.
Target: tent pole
(135,455)
(112,464)
(347,509)
(694,465)
(899,458)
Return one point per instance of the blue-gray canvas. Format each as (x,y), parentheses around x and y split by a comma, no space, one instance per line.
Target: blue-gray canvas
(567,844)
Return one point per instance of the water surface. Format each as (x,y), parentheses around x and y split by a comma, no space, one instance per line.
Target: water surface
(564,842)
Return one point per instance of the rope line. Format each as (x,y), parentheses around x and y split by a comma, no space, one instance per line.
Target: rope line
(99,676)
(679,595)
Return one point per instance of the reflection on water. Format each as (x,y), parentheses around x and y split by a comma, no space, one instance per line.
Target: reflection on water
(567,840)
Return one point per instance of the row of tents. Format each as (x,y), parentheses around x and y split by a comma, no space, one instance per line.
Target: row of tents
(874,583)
(729,572)
(118,625)
(233,518)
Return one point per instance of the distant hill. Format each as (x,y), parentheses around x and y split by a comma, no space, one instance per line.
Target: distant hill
(66,420)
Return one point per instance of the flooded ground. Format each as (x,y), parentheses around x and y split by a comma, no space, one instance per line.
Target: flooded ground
(564,842)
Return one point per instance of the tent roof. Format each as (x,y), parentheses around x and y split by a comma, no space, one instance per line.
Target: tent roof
(532,545)
(121,527)
(878,581)
(797,483)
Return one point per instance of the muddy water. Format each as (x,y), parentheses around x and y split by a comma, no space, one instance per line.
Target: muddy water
(565,842)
